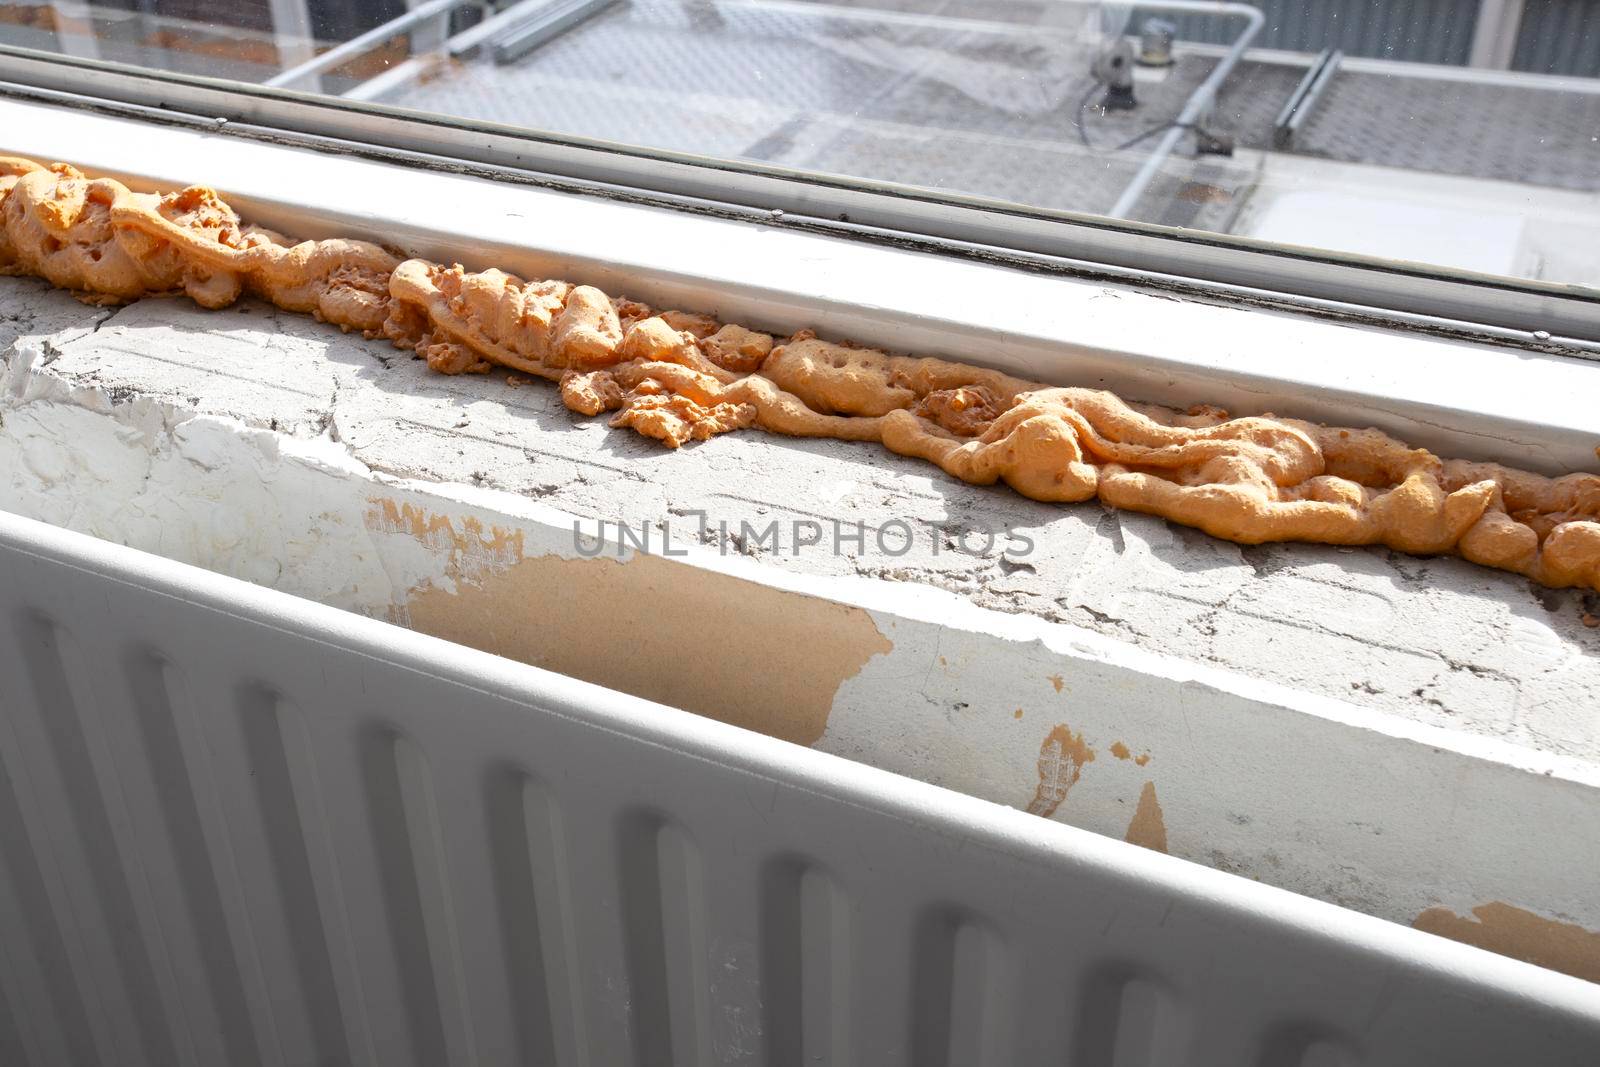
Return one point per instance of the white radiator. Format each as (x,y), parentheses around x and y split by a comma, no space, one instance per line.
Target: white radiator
(238,828)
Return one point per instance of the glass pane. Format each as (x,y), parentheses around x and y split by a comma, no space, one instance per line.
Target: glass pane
(1463,134)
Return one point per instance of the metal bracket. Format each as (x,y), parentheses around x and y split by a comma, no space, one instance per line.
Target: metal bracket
(555,20)
(509,35)
(1304,99)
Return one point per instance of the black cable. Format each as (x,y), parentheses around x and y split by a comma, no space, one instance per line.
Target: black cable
(1083,130)
(1152,131)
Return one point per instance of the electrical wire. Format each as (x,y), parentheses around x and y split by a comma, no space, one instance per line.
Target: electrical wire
(1083,129)
(1152,131)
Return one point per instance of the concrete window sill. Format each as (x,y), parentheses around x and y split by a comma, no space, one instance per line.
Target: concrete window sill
(1389,733)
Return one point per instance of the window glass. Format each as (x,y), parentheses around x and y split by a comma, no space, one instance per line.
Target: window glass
(1462,134)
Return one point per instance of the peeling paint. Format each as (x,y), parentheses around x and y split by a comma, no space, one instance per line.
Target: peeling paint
(729,649)
(473,552)
(1148,829)
(1062,757)
(1520,934)
(1057,681)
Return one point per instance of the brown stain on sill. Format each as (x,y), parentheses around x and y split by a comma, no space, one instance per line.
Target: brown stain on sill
(1148,828)
(1522,935)
(1062,757)
(729,649)
(1122,751)
(470,548)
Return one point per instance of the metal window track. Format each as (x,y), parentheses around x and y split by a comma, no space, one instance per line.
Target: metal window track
(239,827)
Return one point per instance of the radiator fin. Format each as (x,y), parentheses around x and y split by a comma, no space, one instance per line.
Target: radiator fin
(78,792)
(239,830)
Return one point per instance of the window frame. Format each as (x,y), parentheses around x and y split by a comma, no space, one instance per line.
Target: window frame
(1444,394)
(1551,317)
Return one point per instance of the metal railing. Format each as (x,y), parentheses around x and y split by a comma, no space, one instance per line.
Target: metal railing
(340,54)
(1200,101)
(510,34)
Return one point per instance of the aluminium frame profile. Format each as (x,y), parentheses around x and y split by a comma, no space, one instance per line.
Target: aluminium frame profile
(1562,319)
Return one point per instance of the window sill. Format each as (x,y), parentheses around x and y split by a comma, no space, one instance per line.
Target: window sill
(304,463)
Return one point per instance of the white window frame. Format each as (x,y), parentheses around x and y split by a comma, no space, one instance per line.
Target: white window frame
(1544,316)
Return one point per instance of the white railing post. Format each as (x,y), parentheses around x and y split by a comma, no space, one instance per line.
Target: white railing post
(74,29)
(1494,40)
(295,39)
